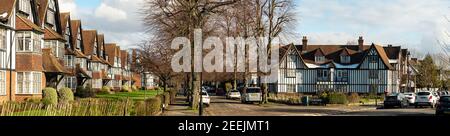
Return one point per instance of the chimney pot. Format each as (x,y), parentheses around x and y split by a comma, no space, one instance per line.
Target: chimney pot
(305,42)
(361,43)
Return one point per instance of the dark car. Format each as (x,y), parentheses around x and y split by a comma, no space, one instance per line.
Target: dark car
(396,100)
(443,106)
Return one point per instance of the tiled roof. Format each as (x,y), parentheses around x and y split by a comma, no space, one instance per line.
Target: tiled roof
(74,27)
(89,41)
(43,5)
(392,52)
(94,58)
(6,8)
(79,54)
(23,24)
(124,57)
(51,63)
(64,17)
(332,53)
(110,49)
(51,34)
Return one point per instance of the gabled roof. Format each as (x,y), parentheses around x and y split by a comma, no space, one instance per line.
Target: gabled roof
(64,18)
(75,26)
(110,49)
(392,52)
(6,8)
(332,54)
(42,10)
(89,37)
(124,57)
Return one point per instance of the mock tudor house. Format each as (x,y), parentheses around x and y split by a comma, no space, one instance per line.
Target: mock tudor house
(7,50)
(90,43)
(115,72)
(126,71)
(54,47)
(29,38)
(341,68)
(81,60)
(104,66)
(70,80)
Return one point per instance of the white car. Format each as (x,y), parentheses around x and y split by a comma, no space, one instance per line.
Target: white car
(426,99)
(251,94)
(234,94)
(411,98)
(205,98)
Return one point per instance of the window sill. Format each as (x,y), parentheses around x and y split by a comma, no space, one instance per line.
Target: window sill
(28,94)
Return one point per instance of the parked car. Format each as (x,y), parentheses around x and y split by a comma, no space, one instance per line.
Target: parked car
(251,94)
(394,100)
(426,99)
(411,98)
(234,94)
(205,98)
(443,106)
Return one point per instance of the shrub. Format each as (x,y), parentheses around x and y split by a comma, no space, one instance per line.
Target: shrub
(84,92)
(153,106)
(353,98)
(126,88)
(134,88)
(228,87)
(337,98)
(105,90)
(49,96)
(33,100)
(65,95)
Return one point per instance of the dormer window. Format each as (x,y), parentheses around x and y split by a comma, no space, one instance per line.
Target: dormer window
(345,59)
(320,59)
(50,18)
(24,7)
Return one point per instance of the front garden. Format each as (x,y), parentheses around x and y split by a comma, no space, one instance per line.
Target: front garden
(87,102)
(325,98)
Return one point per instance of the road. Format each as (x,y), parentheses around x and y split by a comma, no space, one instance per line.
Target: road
(222,107)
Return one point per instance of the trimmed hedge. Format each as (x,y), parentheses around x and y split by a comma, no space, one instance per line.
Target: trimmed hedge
(105,90)
(153,106)
(353,98)
(65,95)
(84,92)
(134,88)
(337,98)
(49,96)
(126,88)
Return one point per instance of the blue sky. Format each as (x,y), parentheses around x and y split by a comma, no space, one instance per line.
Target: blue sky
(414,24)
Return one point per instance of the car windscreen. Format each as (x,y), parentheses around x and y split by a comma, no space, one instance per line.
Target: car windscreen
(234,91)
(423,93)
(445,99)
(253,90)
(409,94)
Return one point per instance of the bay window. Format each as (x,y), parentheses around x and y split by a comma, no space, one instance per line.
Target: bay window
(68,61)
(70,82)
(28,42)
(29,82)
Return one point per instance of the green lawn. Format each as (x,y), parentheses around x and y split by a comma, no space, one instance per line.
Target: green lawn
(137,96)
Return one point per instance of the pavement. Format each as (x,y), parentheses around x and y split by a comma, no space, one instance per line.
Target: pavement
(179,108)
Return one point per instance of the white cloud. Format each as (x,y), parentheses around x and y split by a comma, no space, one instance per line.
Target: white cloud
(410,23)
(118,20)
(110,13)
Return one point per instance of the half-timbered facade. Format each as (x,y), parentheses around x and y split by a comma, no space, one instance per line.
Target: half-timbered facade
(115,72)
(54,47)
(81,60)
(340,68)
(29,40)
(7,50)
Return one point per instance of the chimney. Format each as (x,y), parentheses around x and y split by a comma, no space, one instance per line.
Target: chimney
(390,45)
(305,42)
(361,43)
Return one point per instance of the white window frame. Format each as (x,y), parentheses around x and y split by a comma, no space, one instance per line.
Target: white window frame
(2,83)
(34,42)
(345,59)
(70,82)
(320,58)
(33,83)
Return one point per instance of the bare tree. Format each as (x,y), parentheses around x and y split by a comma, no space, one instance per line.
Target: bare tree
(167,19)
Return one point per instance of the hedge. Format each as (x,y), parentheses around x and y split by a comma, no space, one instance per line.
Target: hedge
(337,98)
(153,106)
(65,95)
(84,92)
(126,88)
(49,96)
(105,90)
